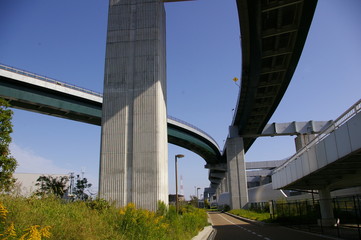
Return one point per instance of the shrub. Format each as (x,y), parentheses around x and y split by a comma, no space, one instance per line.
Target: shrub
(94,220)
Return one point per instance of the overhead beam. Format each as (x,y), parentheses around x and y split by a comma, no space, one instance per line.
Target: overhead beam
(292,128)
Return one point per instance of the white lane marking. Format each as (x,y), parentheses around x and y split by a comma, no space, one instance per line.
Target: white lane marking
(265,238)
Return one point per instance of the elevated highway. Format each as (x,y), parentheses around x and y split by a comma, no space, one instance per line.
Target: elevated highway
(273,34)
(332,159)
(32,92)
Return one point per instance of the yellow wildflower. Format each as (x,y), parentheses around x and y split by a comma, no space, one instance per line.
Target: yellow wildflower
(45,232)
(3,211)
(131,205)
(121,211)
(9,231)
(34,233)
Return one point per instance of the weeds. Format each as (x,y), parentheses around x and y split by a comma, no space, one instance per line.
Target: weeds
(264,217)
(9,232)
(51,218)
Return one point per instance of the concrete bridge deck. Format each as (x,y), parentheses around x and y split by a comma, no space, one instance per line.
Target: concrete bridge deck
(332,159)
(33,92)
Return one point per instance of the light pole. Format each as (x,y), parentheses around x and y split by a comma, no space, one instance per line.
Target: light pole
(176,180)
(197,197)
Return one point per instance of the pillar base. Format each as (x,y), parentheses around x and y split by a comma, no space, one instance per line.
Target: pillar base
(327,222)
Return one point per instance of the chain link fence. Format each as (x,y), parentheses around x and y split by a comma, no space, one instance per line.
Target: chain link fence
(306,214)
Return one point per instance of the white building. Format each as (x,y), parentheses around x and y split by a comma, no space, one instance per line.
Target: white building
(25,182)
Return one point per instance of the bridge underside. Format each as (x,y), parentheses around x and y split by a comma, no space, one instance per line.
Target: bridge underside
(344,173)
(273,34)
(46,101)
(331,160)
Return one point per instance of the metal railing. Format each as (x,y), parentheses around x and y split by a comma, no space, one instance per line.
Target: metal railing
(194,127)
(349,113)
(47,79)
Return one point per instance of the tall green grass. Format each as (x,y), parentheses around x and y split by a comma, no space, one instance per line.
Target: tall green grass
(99,220)
(264,217)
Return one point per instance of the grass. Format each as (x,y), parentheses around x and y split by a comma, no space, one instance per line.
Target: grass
(95,220)
(264,217)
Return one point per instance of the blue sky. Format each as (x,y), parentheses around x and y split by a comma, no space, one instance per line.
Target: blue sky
(65,40)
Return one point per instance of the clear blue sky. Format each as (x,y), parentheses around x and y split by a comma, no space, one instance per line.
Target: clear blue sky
(65,40)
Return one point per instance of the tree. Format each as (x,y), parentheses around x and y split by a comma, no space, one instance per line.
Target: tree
(80,187)
(7,162)
(52,185)
(193,201)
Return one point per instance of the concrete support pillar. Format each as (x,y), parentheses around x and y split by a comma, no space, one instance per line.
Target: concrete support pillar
(133,163)
(218,192)
(326,208)
(225,184)
(303,139)
(236,169)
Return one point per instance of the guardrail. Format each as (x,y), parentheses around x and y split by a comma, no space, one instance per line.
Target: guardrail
(343,118)
(194,127)
(46,79)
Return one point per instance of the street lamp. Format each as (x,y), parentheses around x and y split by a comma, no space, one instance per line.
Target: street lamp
(197,197)
(176,180)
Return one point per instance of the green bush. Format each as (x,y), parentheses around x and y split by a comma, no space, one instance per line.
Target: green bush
(99,220)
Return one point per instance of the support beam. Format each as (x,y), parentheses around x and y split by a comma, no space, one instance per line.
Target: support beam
(133,164)
(236,167)
(219,175)
(218,166)
(327,217)
(224,185)
(303,140)
(291,128)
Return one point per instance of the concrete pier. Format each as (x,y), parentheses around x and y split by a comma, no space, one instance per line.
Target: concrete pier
(133,164)
(326,208)
(236,170)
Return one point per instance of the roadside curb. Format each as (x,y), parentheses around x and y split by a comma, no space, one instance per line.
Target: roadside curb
(204,234)
(246,219)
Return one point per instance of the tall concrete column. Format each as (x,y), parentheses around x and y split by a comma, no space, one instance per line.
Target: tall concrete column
(218,192)
(236,169)
(222,186)
(303,139)
(133,163)
(327,217)
(225,184)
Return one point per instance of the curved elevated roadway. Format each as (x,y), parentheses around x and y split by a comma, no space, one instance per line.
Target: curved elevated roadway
(273,34)
(28,91)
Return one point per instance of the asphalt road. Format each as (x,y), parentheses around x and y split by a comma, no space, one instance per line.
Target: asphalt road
(231,228)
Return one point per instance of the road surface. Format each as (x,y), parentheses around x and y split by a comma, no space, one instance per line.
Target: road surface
(231,228)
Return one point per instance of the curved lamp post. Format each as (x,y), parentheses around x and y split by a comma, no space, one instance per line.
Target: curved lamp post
(176,180)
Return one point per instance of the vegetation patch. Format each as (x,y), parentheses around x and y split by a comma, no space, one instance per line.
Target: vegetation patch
(53,218)
(264,217)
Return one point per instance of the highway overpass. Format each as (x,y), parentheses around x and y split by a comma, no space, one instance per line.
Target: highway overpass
(33,92)
(332,159)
